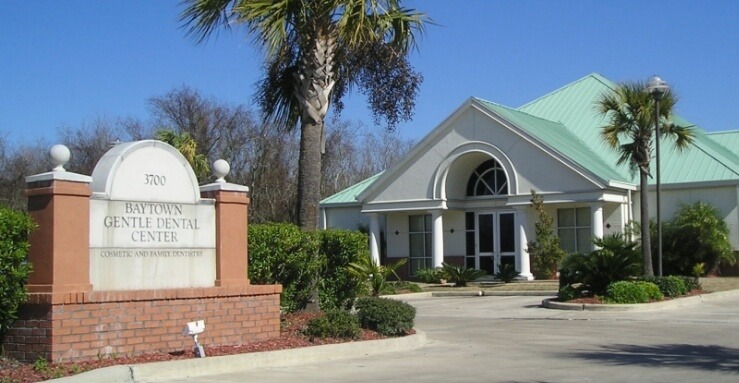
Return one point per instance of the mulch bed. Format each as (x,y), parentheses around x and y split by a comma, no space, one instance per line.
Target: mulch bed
(291,336)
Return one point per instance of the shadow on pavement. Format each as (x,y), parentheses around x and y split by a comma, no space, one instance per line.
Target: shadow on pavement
(699,357)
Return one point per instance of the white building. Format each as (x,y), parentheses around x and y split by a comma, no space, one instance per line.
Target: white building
(462,195)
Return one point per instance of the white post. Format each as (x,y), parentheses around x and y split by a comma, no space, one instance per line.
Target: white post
(596,213)
(437,233)
(522,254)
(375,237)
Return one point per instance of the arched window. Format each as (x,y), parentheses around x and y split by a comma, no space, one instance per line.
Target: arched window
(488,179)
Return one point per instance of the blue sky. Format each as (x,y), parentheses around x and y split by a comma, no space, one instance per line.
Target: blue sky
(67,63)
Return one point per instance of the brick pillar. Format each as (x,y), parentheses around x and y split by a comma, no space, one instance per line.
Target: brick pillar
(232,206)
(59,202)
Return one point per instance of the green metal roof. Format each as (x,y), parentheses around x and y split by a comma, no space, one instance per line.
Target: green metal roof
(574,107)
(566,120)
(729,140)
(349,195)
(558,137)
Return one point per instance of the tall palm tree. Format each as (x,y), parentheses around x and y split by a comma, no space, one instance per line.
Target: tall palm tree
(316,50)
(630,131)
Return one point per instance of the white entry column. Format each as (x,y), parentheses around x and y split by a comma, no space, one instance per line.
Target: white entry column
(523,261)
(437,235)
(596,220)
(375,237)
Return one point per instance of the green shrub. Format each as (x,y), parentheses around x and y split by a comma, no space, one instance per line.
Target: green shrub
(338,287)
(460,275)
(567,293)
(632,292)
(14,267)
(691,283)
(545,250)
(373,274)
(333,324)
(386,316)
(671,286)
(617,260)
(282,253)
(507,272)
(430,275)
(696,234)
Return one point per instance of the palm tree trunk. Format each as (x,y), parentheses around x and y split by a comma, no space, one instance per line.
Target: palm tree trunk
(646,239)
(309,174)
(315,83)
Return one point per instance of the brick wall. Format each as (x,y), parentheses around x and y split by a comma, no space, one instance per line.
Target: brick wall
(66,327)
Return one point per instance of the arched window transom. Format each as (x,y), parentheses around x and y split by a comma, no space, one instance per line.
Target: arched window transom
(487,179)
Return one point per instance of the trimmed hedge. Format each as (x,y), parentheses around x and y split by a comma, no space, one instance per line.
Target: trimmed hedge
(282,253)
(386,316)
(333,324)
(14,266)
(670,286)
(632,292)
(337,287)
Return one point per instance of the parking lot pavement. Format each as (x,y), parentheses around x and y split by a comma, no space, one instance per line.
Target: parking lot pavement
(513,339)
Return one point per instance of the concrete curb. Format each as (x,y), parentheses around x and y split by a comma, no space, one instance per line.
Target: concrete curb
(673,303)
(189,368)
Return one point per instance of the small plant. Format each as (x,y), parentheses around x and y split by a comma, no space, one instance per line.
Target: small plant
(545,250)
(333,324)
(568,293)
(430,275)
(507,272)
(460,275)
(374,274)
(41,365)
(632,292)
(386,316)
(699,270)
(617,260)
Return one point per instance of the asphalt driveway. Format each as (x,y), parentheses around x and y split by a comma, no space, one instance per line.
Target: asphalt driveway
(513,339)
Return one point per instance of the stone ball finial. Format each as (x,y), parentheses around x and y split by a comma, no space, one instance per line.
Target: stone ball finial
(220,170)
(59,157)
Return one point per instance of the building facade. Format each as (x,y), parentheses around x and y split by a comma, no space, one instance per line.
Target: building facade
(462,195)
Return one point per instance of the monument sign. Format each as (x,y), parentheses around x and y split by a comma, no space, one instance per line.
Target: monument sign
(149,228)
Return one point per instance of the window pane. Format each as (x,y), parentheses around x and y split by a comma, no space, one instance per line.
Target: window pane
(470,262)
(507,233)
(508,260)
(567,240)
(470,245)
(583,216)
(416,264)
(417,245)
(486,233)
(469,221)
(486,264)
(584,241)
(501,184)
(427,244)
(415,223)
(427,222)
(566,217)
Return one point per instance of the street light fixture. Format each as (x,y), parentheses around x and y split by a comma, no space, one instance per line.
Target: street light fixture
(657,87)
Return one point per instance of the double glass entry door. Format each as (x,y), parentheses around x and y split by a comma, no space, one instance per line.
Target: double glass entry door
(491,240)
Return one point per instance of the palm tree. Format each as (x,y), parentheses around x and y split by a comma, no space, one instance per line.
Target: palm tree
(630,112)
(315,51)
(186,145)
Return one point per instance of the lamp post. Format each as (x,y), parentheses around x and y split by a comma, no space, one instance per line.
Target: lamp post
(657,88)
